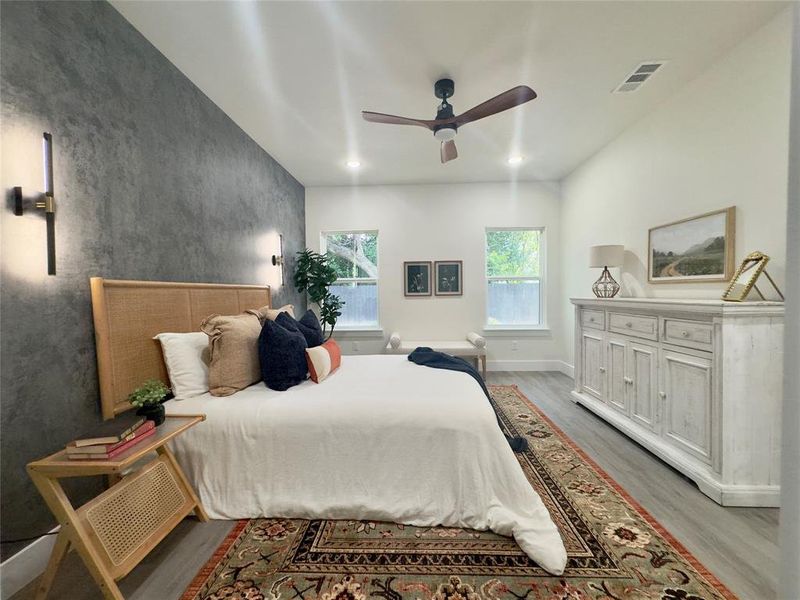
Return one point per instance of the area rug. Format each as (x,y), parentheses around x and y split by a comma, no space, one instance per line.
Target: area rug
(616,550)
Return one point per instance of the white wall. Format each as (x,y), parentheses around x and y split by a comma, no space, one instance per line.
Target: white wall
(720,141)
(445,222)
(790,450)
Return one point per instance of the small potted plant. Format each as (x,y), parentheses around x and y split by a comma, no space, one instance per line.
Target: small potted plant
(148,398)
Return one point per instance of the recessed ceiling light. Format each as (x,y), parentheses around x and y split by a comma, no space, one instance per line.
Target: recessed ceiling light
(353,164)
(514,160)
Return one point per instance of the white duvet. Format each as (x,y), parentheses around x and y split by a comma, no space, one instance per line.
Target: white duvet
(380,439)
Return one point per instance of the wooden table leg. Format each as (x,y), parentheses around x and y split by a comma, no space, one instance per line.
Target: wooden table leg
(56,556)
(59,504)
(202,516)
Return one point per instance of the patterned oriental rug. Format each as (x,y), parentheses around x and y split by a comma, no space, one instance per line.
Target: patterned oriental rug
(616,550)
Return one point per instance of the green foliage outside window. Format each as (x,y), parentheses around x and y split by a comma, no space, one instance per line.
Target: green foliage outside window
(353,255)
(512,253)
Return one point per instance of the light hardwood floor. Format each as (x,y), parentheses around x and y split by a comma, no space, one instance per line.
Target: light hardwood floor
(738,545)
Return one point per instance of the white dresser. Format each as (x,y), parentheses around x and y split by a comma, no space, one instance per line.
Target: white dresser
(696,382)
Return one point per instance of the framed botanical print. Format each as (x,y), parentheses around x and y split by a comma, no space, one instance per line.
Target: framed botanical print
(697,249)
(417,278)
(447,277)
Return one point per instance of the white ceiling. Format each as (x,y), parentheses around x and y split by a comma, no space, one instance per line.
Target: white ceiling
(295,75)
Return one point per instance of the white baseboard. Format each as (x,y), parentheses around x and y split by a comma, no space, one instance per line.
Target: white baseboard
(26,565)
(530,365)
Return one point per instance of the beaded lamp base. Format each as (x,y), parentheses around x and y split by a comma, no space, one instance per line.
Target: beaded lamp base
(605,286)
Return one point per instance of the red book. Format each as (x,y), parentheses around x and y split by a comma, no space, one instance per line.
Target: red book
(116,452)
(73,448)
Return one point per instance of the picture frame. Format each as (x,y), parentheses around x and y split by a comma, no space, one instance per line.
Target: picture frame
(448,277)
(696,249)
(417,278)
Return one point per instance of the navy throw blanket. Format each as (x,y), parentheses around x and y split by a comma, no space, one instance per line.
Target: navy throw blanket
(439,360)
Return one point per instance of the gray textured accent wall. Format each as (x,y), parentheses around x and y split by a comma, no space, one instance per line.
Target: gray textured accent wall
(152,180)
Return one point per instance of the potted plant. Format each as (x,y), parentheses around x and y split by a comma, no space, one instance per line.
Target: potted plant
(148,400)
(315,275)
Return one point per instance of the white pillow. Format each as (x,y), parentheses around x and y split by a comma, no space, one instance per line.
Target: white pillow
(187,369)
(476,340)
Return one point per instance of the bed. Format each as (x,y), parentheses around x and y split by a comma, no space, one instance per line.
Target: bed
(380,439)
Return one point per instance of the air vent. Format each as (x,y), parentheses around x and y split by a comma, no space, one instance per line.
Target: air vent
(639,75)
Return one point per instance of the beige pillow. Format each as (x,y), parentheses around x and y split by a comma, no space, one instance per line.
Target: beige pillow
(233,352)
(265,312)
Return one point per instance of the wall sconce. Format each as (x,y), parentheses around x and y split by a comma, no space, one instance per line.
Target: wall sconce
(277,259)
(47,202)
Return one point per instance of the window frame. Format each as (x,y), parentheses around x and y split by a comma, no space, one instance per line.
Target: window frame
(323,247)
(542,279)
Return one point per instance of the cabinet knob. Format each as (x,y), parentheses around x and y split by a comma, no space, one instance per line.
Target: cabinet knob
(628,324)
(662,394)
(685,333)
(627,380)
(591,319)
(602,369)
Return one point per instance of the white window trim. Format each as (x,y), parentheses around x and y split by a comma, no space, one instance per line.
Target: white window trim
(372,328)
(535,329)
(355,333)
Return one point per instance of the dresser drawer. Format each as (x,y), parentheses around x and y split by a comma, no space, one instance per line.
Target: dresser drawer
(693,334)
(635,325)
(596,319)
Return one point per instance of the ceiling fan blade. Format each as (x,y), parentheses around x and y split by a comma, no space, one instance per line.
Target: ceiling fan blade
(513,97)
(448,151)
(374,117)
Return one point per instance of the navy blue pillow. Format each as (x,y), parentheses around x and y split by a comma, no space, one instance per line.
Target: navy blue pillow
(312,335)
(287,321)
(282,354)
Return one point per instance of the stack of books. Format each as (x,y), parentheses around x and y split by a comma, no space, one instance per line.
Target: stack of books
(111,439)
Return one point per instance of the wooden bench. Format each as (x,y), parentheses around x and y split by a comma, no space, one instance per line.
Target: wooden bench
(473,346)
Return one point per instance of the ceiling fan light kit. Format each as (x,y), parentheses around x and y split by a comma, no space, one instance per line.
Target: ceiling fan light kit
(445,126)
(445,133)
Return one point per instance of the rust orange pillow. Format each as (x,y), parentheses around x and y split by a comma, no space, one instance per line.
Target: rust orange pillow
(323,360)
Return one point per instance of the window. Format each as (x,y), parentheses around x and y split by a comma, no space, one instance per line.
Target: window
(354,255)
(514,277)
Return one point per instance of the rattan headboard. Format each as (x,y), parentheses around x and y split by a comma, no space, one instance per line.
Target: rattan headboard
(127,314)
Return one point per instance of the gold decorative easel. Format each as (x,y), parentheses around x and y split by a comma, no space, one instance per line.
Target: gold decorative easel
(745,278)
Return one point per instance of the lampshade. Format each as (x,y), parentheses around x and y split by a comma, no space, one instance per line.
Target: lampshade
(606,256)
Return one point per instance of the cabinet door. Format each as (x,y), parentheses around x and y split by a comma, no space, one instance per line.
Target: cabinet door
(642,361)
(687,402)
(617,374)
(592,371)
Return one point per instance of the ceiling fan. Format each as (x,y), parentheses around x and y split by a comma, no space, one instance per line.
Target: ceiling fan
(445,125)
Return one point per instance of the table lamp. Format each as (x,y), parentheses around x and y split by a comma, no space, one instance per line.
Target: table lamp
(606,256)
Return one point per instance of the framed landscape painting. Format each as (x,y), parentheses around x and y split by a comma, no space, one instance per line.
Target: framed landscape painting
(696,249)
(447,277)
(417,278)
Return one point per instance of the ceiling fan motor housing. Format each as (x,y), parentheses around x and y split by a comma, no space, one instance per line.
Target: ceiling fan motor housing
(444,89)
